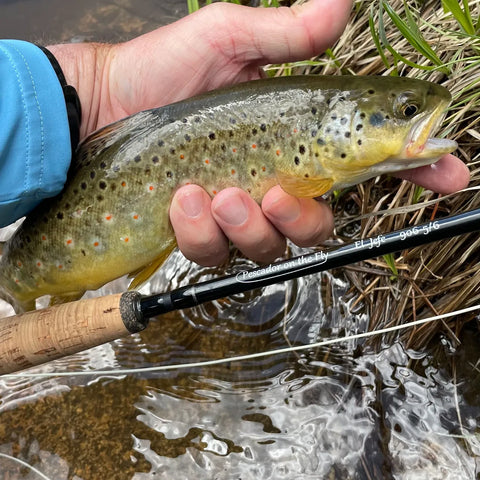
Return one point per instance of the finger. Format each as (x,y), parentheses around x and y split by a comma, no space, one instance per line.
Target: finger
(243,222)
(276,35)
(198,236)
(448,175)
(305,221)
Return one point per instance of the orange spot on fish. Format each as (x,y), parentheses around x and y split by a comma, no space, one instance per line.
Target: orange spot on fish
(17,281)
(214,192)
(207,161)
(96,244)
(254,145)
(295,130)
(278,153)
(151,188)
(69,241)
(108,217)
(234,150)
(264,169)
(125,239)
(182,157)
(60,267)
(19,264)
(124,184)
(135,216)
(44,237)
(233,171)
(39,264)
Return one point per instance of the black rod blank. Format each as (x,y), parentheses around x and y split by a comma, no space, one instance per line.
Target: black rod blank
(192,295)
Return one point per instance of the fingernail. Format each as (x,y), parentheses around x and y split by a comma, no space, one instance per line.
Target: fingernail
(284,210)
(191,203)
(231,209)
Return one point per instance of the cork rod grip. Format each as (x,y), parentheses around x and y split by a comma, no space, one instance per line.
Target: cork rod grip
(39,336)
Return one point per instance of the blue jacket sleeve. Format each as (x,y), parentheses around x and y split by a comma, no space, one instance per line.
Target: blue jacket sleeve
(35,149)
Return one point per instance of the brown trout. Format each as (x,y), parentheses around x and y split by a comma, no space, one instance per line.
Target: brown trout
(310,134)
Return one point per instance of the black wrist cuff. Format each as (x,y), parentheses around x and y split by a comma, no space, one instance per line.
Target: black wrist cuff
(72,102)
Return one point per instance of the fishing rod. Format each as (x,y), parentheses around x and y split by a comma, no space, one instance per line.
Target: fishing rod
(39,336)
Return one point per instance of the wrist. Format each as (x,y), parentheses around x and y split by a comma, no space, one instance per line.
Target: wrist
(82,65)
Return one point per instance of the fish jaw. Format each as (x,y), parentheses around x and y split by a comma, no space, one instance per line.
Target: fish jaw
(421,146)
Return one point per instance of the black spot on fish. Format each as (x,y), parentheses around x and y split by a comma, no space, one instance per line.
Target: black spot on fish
(197,119)
(263,127)
(92,174)
(282,114)
(334,117)
(359,142)
(83,185)
(161,143)
(254,131)
(307,175)
(184,120)
(172,151)
(320,141)
(147,171)
(344,120)
(253,172)
(155,159)
(188,138)
(28,239)
(84,253)
(67,206)
(116,168)
(358,127)
(376,119)
(231,134)
(328,130)
(211,136)
(60,215)
(297,161)
(362,115)
(100,198)
(314,133)
(102,185)
(103,165)
(75,191)
(314,111)
(371,91)
(113,187)
(137,159)
(233,121)
(301,149)
(343,155)
(347,134)
(169,174)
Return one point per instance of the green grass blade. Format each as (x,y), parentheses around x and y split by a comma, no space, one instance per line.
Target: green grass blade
(376,40)
(412,34)
(463,17)
(192,5)
(390,260)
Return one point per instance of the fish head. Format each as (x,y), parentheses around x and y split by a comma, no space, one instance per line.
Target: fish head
(391,128)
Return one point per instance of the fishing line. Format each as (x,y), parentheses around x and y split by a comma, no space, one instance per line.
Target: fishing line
(238,358)
(25,464)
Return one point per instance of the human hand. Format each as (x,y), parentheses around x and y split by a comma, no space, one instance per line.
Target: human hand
(220,45)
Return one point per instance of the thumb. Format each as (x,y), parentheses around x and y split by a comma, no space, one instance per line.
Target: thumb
(275,35)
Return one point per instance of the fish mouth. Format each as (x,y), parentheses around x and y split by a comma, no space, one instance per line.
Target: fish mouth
(420,147)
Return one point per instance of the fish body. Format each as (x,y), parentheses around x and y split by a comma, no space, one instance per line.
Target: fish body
(310,134)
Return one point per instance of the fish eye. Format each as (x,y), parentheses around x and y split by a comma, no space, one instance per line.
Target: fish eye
(407,105)
(409,110)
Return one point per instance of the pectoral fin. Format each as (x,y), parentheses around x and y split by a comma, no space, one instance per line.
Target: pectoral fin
(144,274)
(68,297)
(304,187)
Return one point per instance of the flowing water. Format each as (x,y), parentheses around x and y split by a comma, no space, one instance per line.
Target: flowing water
(338,412)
